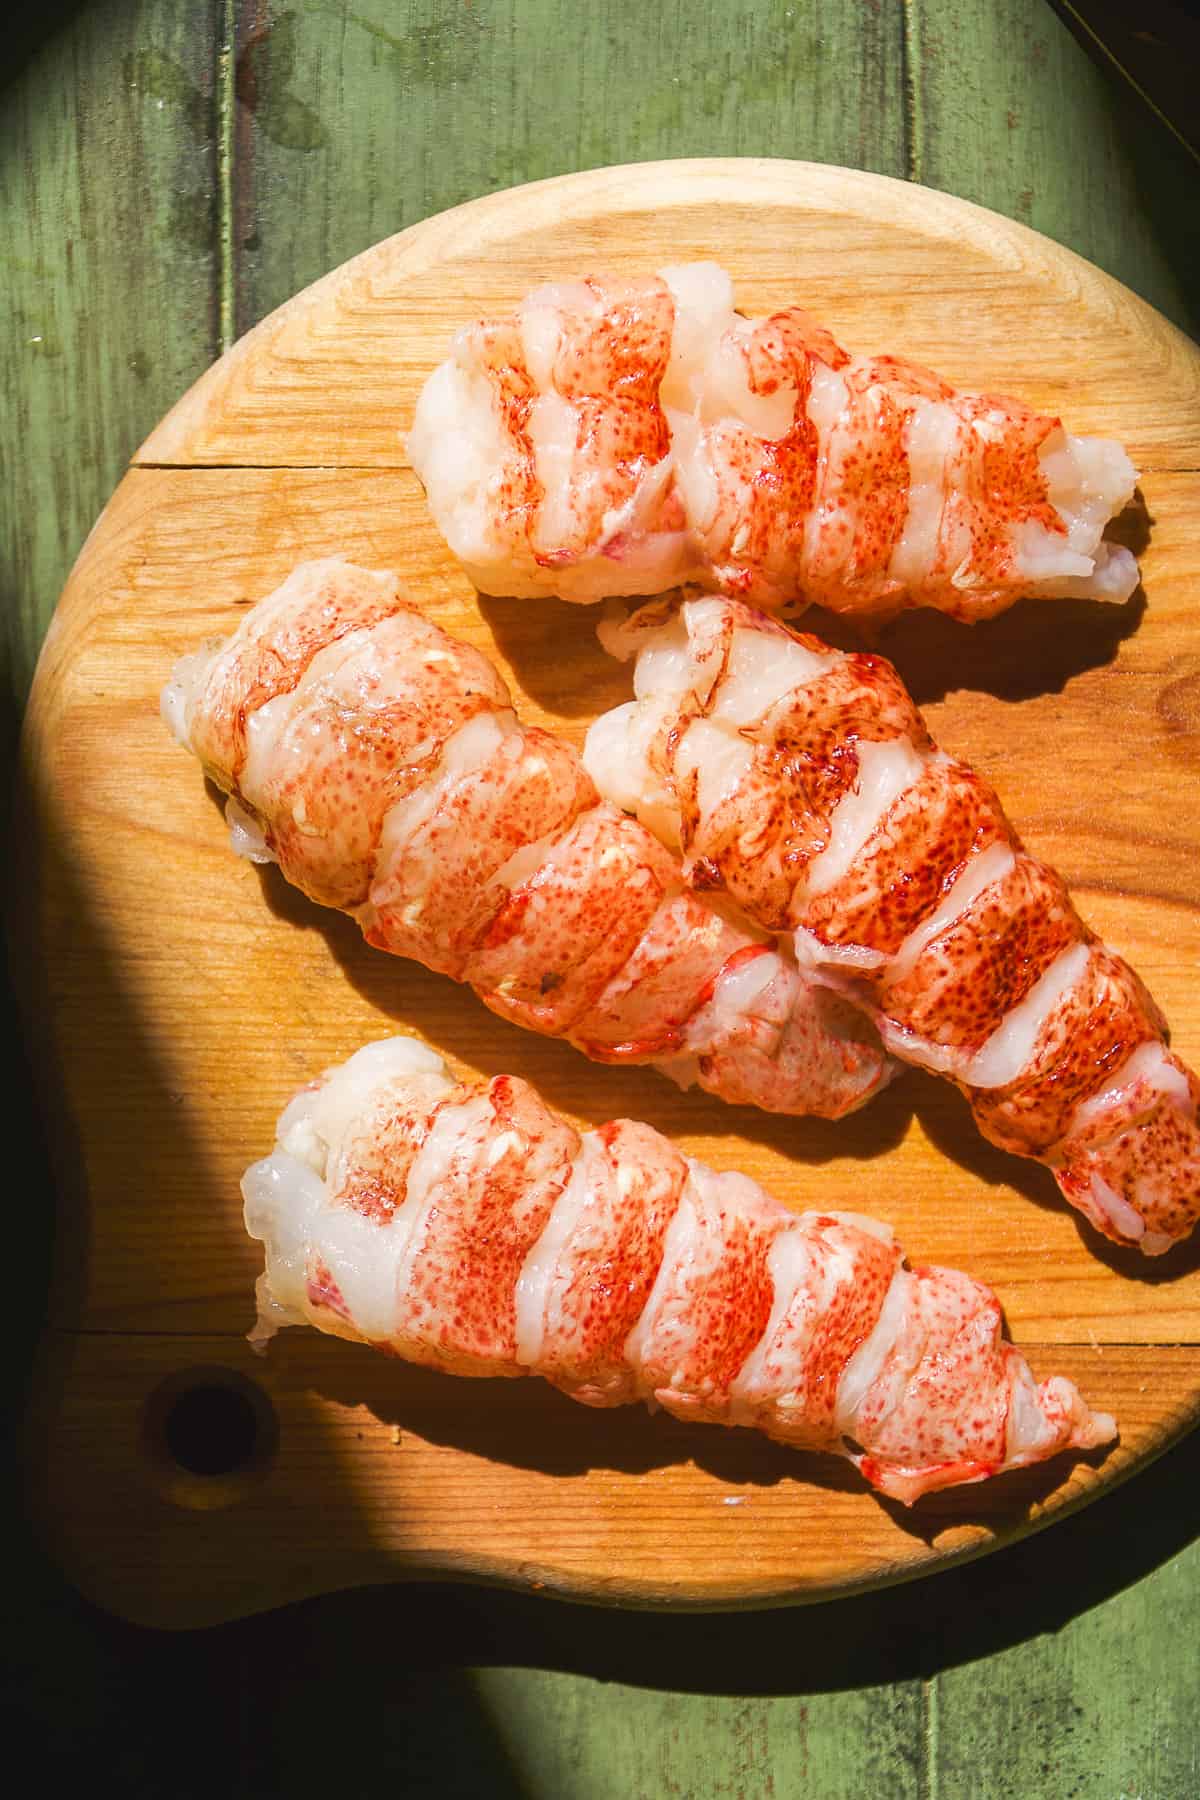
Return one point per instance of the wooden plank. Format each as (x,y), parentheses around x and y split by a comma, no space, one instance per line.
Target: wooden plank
(559,1738)
(1010,111)
(525,1699)
(109,280)
(360,119)
(107,214)
(1104,1706)
(1154,49)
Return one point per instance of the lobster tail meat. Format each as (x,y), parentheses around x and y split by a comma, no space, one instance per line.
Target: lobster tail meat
(803,782)
(380,764)
(622,437)
(474,1231)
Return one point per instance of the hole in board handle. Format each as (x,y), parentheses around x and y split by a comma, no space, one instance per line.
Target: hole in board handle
(210,1433)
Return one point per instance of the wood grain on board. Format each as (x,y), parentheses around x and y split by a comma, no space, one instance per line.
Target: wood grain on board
(1011,307)
(371,1470)
(189,993)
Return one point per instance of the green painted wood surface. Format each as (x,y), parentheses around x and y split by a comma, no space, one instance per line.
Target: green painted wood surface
(453,100)
(1008,111)
(169,172)
(109,265)
(1106,1705)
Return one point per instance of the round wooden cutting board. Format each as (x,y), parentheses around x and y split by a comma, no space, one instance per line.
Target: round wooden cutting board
(179,995)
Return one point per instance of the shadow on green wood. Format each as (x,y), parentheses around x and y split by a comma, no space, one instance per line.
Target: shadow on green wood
(373,127)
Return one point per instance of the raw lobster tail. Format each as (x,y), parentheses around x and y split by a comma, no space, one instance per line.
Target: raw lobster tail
(625,437)
(474,1231)
(378,761)
(803,782)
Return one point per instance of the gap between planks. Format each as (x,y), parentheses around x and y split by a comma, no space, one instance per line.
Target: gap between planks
(406,468)
(225,86)
(55,1328)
